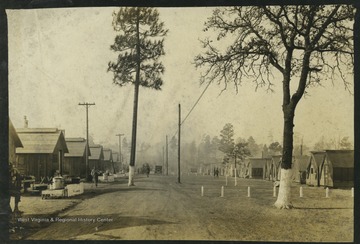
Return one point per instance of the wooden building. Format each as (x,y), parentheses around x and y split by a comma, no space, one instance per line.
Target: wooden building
(14,142)
(97,157)
(257,167)
(299,167)
(108,164)
(312,175)
(337,168)
(75,159)
(42,153)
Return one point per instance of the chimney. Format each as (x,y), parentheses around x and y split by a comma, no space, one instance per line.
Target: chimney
(26,122)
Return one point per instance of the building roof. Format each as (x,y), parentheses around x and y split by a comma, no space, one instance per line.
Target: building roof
(96,152)
(41,140)
(76,146)
(300,163)
(14,135)
(318,157)
(259,162)
(107,154)
(340,158)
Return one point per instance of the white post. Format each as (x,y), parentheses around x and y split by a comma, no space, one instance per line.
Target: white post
(226,179)
(327,192)
(202,191)
(248,191)
(274,192)
(301,191)
(222,191)
(352,192)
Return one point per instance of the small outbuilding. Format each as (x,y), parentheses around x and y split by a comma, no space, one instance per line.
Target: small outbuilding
(337,169)
(312,174)
(75,159)
(97,157)
(299,167)
(257,167)
(108,160)
(42,153)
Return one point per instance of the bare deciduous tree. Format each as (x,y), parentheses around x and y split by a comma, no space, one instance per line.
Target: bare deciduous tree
(306,45)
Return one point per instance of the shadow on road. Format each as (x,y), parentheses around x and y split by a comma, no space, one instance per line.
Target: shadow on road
(70,227)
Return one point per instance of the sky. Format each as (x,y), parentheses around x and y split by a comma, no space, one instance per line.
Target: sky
(58,58)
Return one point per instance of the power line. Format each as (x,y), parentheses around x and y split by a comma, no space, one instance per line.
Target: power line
(197,101)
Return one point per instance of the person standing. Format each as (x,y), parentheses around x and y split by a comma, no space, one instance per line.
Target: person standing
(15,187)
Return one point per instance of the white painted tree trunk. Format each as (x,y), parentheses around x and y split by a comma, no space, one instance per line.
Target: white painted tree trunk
(284,197)
(131,175)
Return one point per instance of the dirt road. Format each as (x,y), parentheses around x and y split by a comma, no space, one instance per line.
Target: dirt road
(158,208)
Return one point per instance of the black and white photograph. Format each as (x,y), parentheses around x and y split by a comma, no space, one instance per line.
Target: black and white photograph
(196,123)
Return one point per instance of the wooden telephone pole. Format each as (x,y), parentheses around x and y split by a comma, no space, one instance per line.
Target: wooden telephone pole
(87,105)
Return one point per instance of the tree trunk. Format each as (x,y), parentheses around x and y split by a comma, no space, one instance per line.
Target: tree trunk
(284,196)
(136,101)
(131,175)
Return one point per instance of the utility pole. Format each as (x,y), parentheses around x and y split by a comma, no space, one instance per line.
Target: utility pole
(179,143)
(167,156)
(163,160)
(87,105)
(120,157)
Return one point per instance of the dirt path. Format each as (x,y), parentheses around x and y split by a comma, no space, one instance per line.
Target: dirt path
(158,208)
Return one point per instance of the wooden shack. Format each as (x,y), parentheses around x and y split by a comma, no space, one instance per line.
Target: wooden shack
(108,160)
(299,167)
(96,158)
(257,167)
(337,168)
(75,159)
(42,153)
(316,160)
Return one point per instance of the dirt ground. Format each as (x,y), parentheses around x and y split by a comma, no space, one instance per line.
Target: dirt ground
(158,208)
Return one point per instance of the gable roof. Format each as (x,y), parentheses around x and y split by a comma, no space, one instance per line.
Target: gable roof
(96,152)
(76,146)
(340,158)
(14,135)
(41,140)
(107,154)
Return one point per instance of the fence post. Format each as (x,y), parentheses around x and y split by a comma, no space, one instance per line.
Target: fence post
(301,191)
(202,191)
(248,191)
(222,191)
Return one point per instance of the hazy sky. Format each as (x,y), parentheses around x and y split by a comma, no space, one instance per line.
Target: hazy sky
(59,57)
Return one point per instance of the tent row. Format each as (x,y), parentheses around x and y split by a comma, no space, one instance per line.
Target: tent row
(332,168)
(43,152)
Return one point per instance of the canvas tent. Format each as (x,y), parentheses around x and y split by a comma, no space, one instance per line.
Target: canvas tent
(337,169)
(315,161)
(299,166)
(43,152)
(274,172)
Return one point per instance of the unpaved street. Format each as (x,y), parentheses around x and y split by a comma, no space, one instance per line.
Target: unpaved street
(158,208)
